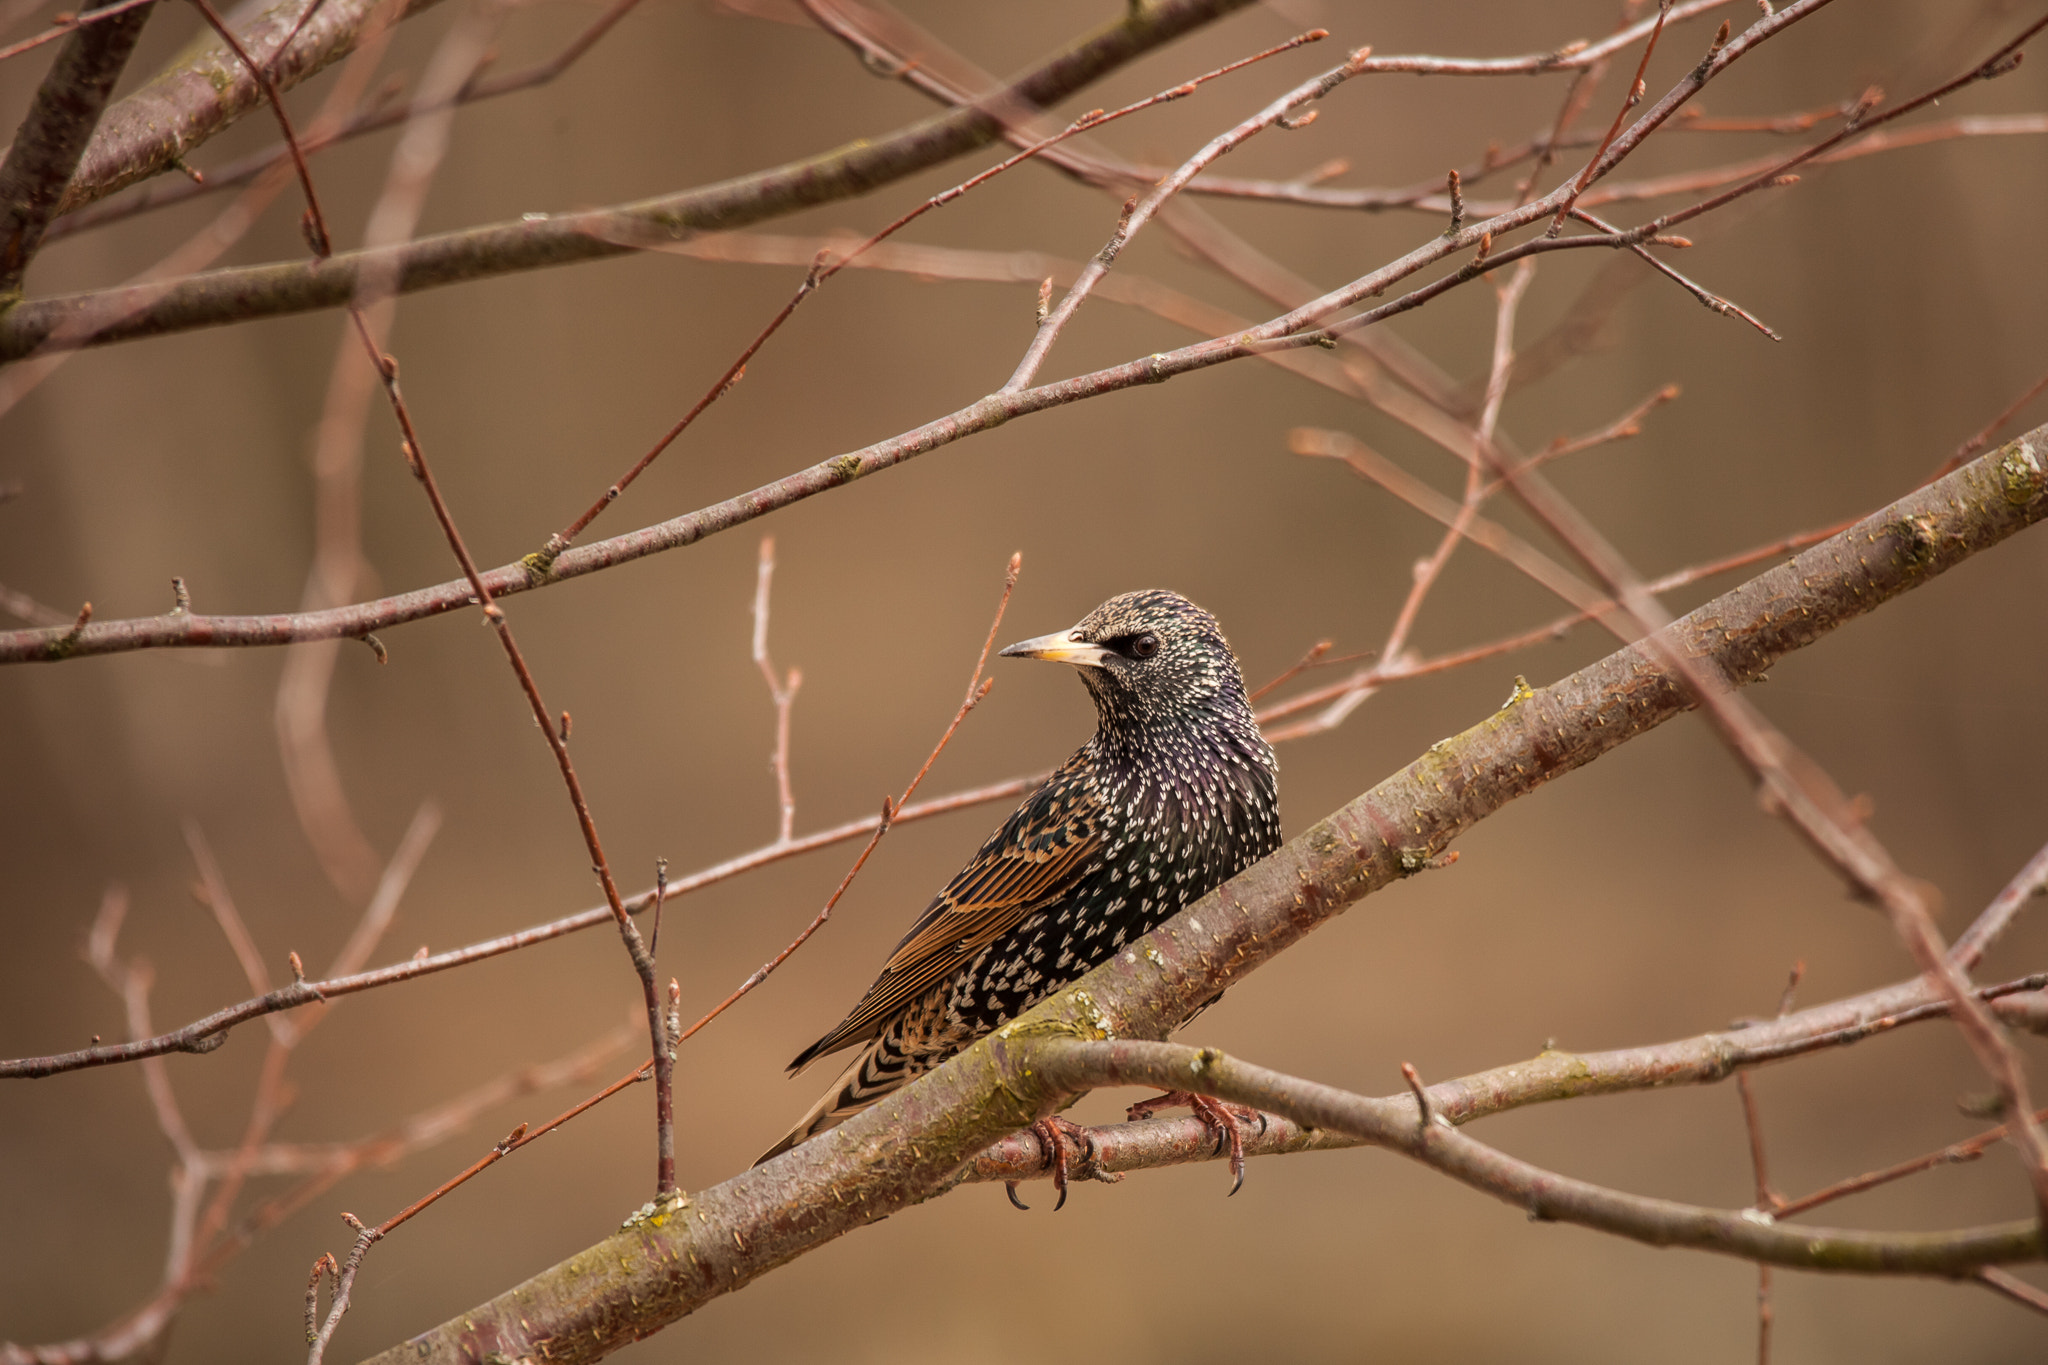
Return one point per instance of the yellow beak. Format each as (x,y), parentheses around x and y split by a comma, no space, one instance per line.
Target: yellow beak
(1060,647)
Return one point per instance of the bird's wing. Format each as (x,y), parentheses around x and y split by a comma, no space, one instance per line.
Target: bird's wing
(1028,864)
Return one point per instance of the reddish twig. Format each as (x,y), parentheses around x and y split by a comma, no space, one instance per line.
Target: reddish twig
(1636,91)
(206,1034)
(1969,1149)
(1140,209)
(1281,333)
(203,1240)
(315,222)
(1313,658)
(453,65)
(72,25)
(1507,298)
(1708,298)
(1628,425)
(977,688)
(823,269)
(1697,120)
(1968,449)
(2012,1287)
(1768,1201)
(1860,122)
(519,1137)
(2028,882)
(1399,670)
(148,288)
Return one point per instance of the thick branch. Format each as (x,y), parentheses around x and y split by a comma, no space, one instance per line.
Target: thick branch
(207,87)
(914,1143)
(54,134)
(289,287)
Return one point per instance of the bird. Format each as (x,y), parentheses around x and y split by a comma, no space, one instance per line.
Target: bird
(1176,792)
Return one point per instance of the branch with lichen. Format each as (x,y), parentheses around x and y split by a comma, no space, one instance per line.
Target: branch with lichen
(206,88)
(536,241)
(919,1141)
(55,134)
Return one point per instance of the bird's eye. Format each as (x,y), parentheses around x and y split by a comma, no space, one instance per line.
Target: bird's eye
(1144,646)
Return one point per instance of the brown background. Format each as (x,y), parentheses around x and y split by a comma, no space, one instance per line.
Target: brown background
(1641,900)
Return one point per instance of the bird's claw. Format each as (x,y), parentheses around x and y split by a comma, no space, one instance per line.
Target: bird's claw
(1227,1121)
(1052,1134)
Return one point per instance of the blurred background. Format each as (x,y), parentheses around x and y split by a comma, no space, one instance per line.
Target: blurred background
(1641,900)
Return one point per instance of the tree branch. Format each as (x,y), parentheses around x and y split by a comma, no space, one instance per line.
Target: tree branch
(206,1034)
(913,1143)
(1075,1065)
(53,137)
(207,88)
(239,294)
(1551,1075)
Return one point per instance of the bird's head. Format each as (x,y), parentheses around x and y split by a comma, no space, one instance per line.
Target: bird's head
(1150,658)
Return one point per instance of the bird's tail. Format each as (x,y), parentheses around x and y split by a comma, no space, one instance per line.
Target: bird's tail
(873,1073)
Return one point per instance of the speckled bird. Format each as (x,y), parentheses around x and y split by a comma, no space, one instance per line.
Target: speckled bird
(1176,793)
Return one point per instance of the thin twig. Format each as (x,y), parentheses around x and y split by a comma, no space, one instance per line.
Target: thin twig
(823,269)
(1636,91)
(1070,1065)
(1384,672)
(344,1286)
(1968,449)
(2012,1287)
(1629,424)
(977,688)
(1969,1149)
(1140,209)
(2030,881)
(1278,334)
(148,288)
(781,690)
(1713,302)
(206,1034)
(77,21)
(265,76)
(1769,1202)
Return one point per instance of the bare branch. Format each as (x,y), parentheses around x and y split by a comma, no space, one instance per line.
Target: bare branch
(1071,1065)
(53,136)
(531,243)
(914,1141)
(977,688)
(206,90)
(374,115)
(1140,209)
(204,1035)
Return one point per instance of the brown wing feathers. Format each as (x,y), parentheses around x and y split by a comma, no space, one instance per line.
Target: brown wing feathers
(1032,860)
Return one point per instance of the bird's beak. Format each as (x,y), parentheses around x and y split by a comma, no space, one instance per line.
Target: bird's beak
(1060,647)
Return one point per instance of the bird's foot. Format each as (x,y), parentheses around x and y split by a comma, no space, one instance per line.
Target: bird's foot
(1227,1121)
(1053,1134)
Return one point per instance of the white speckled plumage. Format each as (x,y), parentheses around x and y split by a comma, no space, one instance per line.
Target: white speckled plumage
(1176,792)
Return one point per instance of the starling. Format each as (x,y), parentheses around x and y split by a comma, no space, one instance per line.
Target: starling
(1176,793)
